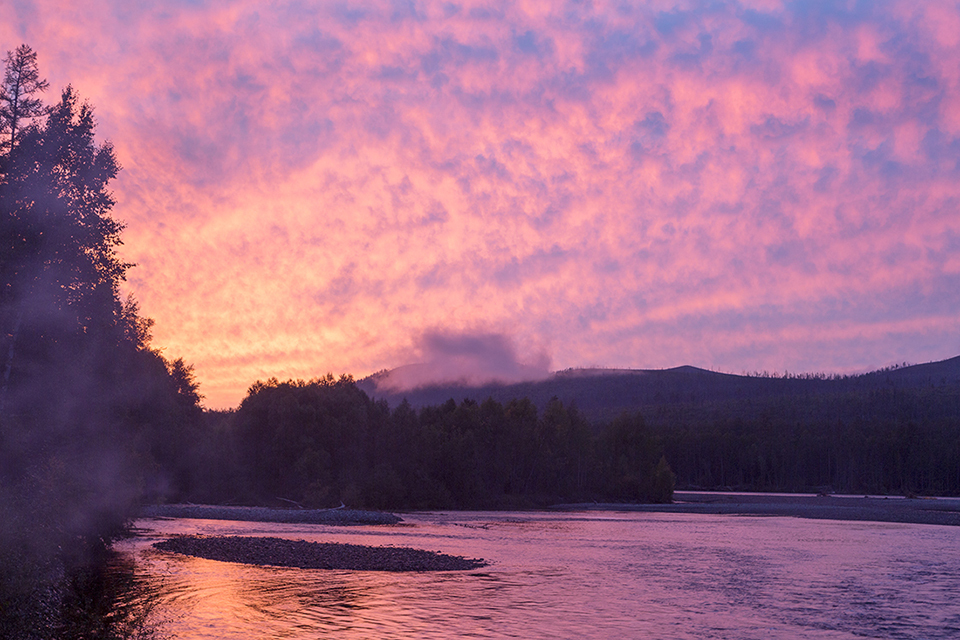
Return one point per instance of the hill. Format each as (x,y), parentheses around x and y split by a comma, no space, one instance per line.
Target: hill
(896,430)
(603,394)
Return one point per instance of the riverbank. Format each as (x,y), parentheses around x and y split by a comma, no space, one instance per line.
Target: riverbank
(940,511)
(338,517)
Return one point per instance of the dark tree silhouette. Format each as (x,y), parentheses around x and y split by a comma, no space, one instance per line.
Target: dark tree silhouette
(18,100)
(60,267)
(323,442)
(91,418)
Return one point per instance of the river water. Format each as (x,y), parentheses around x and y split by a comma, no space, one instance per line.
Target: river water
(574,575)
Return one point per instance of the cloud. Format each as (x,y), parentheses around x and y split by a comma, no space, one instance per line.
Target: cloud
(467,359)
(311,187)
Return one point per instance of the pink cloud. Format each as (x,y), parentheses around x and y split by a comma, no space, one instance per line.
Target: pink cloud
(310,187)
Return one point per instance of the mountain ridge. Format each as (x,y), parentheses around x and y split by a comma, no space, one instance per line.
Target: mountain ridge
(602,394)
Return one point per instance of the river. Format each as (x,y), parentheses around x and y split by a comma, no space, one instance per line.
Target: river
(573,575)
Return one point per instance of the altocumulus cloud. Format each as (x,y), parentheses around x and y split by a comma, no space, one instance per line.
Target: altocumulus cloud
(311,186)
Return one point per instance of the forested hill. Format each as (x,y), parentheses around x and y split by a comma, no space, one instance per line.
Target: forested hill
(602,394)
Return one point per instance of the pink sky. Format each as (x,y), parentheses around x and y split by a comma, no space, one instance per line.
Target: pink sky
(317,186)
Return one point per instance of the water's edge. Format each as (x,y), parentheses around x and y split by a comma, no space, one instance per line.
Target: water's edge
(938,511)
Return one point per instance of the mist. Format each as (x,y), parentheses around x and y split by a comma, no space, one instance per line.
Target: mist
(91,416)
(468,359)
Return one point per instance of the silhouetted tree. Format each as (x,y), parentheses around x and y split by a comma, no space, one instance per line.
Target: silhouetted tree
(83,397)
(18,99)
(60,269)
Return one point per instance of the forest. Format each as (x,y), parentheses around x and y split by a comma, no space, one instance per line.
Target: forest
(95,421)
(321,442)
(892,431)
(325,442)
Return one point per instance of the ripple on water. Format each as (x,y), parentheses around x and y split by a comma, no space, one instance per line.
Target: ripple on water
(581,576)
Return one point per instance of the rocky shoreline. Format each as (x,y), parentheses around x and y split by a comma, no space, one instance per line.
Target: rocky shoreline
(337,517)
(280,552)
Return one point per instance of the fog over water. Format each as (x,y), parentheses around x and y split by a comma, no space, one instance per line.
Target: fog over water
(576,575)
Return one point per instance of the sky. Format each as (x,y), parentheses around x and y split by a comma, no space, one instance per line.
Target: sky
(345,187)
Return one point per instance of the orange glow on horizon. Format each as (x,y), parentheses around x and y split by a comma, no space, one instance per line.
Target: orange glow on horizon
(311,188)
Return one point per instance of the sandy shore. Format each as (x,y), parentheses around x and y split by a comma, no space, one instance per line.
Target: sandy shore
(264,514)
(942,511)
(280,552)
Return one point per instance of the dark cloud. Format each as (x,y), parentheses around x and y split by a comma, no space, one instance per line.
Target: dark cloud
(762,22)
(349,14)
(530,42)
(667,23)
(611,50)
(487,12)
(705,48)
(940,146)
(775,128)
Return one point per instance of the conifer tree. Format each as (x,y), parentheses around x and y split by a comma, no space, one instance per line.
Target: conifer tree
(18,99)
(82,394)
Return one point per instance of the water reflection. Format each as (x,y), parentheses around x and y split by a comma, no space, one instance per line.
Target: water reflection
(112,600)
(219,599)
(580,575)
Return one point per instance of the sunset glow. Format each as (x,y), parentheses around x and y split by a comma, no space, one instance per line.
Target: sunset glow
(315,186)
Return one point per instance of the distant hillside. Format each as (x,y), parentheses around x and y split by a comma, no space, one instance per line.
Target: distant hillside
(603,394)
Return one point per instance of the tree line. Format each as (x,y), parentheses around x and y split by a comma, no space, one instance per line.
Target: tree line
(325,442)
(883,440)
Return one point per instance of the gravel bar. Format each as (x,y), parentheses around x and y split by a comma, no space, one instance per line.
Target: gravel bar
(280,552)
(264,514)
(939,511)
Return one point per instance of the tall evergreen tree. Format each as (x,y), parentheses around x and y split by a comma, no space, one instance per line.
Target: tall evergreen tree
(59,269)
(18,99)
(87,409)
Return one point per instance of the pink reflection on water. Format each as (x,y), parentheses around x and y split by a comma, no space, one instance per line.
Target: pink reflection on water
(585,575)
